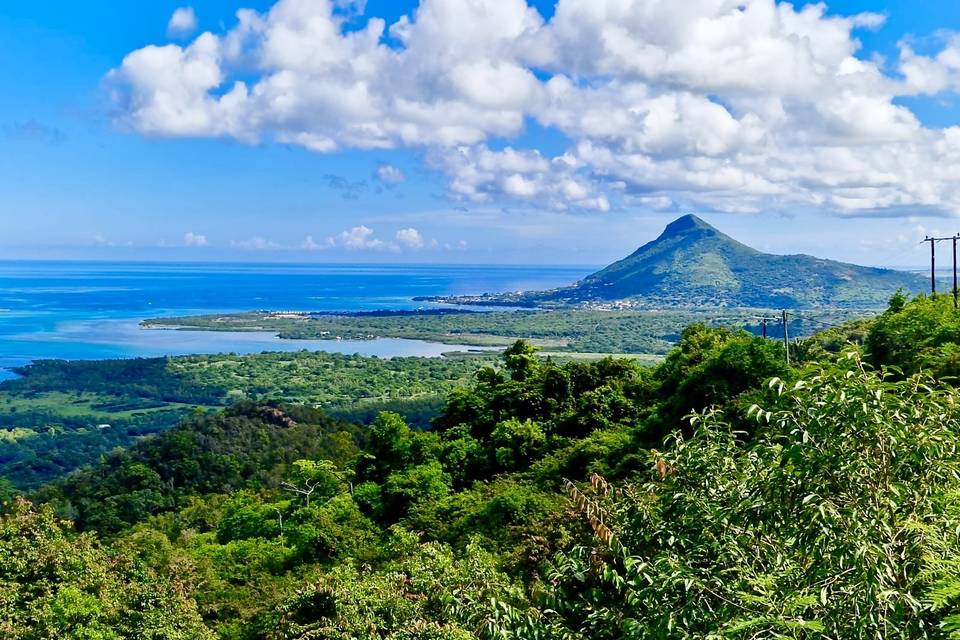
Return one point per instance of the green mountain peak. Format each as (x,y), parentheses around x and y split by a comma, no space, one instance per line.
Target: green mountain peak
(693,263)
(687,223)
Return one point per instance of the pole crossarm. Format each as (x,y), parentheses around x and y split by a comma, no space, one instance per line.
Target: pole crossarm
(763,323)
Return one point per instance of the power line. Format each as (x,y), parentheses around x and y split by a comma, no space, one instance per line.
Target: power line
(889,259)
(933,265)
(786,332)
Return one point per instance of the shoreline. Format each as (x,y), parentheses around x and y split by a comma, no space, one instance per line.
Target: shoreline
(118,340)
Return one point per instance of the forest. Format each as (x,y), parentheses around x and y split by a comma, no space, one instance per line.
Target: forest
(720,493)
(60,415)
(559,330)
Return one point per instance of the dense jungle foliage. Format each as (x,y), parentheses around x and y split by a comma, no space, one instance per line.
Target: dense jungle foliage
(719,494)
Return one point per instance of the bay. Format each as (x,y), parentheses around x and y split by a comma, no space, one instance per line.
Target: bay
(92,310)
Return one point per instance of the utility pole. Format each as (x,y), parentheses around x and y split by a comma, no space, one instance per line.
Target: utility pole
(765,323)
(786,337)
(955,272)
(933,264)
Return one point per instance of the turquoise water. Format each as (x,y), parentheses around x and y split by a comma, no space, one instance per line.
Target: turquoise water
(85,311)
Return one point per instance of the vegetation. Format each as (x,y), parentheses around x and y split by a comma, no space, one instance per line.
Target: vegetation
(718,494)
(60,415)
(923,335)
(55,584)
(834,520)
(245,446)
(558,331)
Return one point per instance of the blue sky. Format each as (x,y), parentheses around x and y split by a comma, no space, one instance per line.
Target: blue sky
(88,169)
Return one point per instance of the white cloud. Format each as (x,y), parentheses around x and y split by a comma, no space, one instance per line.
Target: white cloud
(363,238)
(182,23)
(734,106)
(312,245)
(360,237)
(480,174)
(389,174)
(933,74)
(655,203)
(192,239)
(410,238)
(257,243)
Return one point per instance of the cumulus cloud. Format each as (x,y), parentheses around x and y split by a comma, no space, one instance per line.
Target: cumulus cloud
(363,238)
(932,74)
(192,239)
(360,237)
(389,174)
(732,106)
(182,23)
(410,238)
(482,175)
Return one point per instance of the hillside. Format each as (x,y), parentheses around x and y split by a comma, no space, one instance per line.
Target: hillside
(694,264)
(248,445)
(550,500)
(60,415)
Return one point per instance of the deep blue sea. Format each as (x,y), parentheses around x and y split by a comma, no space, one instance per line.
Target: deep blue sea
(91,310)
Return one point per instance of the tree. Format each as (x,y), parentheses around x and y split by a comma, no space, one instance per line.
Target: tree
(833,522)
(389,440)
(310,476)
(521,360)
(412,485)
(516,443)
(920,335)
(55,584)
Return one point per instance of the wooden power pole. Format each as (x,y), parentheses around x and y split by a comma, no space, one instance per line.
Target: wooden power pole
(933,266)
(954,272)
(786,337)
(764,324)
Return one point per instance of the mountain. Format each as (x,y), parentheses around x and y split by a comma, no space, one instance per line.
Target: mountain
(694,264)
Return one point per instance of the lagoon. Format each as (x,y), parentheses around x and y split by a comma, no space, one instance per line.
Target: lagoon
(85,311)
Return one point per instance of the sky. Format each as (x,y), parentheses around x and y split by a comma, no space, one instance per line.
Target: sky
(474,131)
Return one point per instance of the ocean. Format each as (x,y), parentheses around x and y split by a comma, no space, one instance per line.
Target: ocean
(92,310)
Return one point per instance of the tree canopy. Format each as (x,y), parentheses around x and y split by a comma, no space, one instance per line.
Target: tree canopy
(718,494)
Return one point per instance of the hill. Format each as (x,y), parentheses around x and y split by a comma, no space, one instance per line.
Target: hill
(694,264)
(248,445)
(549,500)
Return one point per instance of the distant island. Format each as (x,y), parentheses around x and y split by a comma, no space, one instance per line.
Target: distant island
(692,264)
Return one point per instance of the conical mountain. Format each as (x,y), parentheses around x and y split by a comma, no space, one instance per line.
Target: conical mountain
(694,264)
